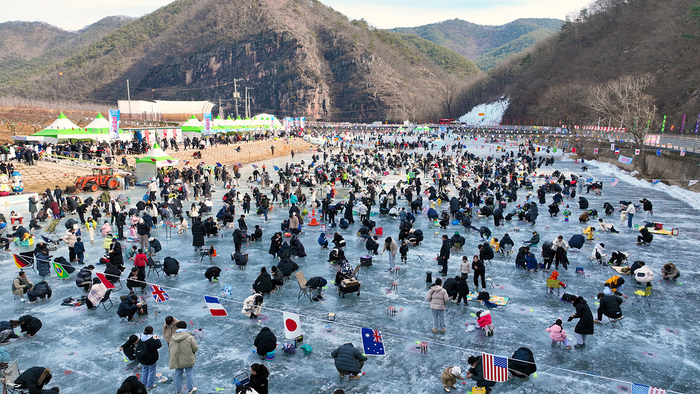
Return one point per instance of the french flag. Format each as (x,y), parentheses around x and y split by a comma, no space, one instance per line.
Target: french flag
(215,307)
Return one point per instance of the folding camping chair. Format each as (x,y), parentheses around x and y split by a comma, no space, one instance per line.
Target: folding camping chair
(356,271)
(612,322)
(154,266)
(554,285)
(507,251)
(52,227)
(106,298)
(207,253)
(303,289)
(9,375)
(52,244)
(643,296)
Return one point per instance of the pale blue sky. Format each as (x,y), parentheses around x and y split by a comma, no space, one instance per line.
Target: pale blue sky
(75,14)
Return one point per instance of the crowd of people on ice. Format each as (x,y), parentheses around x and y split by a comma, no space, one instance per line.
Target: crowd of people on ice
(446,185)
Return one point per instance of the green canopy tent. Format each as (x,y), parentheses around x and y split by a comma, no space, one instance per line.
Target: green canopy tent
(101,127)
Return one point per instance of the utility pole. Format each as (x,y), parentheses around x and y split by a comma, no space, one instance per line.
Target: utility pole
(128,97)
(247,102)
(236,95)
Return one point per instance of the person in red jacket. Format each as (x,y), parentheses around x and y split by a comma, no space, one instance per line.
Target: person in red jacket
(140,261)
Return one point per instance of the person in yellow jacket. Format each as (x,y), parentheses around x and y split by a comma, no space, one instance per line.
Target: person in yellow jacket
(614,286)
(495,245)
(588,232)
(91,226)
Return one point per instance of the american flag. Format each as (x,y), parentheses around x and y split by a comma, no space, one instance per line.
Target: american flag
(159,294)
(495,367)
(642,389)
(614,182)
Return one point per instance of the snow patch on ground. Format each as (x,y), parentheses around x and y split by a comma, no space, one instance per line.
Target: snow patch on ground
(692,198)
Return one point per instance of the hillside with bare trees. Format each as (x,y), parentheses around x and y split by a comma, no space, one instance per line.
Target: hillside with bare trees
(297,57)
(608,41)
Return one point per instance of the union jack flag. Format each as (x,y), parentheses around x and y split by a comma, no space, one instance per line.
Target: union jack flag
(159,294)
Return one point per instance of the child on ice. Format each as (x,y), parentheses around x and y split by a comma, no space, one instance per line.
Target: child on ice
(403,250)
(554,283)
(484,320)
(449,377)
(557,334)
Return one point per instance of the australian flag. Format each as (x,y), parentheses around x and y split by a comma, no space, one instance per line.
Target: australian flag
(372,342)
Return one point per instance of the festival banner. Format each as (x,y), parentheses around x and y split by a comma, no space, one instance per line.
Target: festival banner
(207,124)
(114,124)
(626,160)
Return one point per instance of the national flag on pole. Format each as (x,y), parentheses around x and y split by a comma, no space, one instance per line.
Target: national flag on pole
(595,151)
(658,152)
(589,179)
(104,280)
(683,152)
(60,272)
(22,261)
(255,166)
(655,182)
(617,151)
(495,367)
(292,326)
(614,182)
(372,342)
(691,183)
(637,151)
(159,294)
(612,146)
(215,307)
(643,389)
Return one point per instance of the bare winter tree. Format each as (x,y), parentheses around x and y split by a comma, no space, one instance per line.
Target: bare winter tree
(626,103)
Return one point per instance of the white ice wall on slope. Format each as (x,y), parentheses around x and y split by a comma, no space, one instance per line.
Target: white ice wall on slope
(493,113)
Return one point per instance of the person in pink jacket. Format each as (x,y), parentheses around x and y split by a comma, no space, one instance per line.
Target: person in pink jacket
(557,334)
(484,320)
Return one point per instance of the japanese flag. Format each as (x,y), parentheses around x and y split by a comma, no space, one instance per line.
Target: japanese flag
(637,151)
(292,327)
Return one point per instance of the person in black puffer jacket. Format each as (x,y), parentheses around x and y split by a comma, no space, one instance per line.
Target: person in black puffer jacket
(585,324)
(84,278)
(113,273)
(170,266)
(609,306)
(263,283)
(131,385)
(29,324)
(197,234)
(239,259)
(348,361)
(212,273)
(34,379)
(476,373)
(287,266)
(265,342)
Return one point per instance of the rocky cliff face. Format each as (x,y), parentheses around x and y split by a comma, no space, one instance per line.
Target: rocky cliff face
(300,57)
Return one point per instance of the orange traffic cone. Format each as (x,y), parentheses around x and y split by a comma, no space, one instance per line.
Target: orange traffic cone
(313,218)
